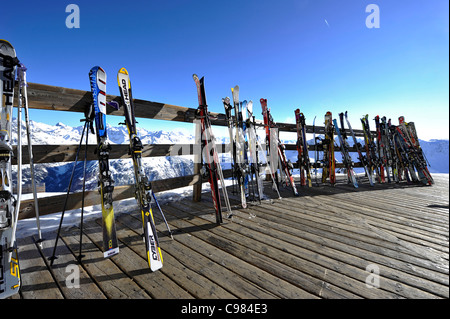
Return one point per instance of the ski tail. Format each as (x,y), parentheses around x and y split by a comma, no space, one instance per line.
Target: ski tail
(154,255)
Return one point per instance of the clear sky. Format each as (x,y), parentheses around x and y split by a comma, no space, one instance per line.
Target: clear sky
(318,55)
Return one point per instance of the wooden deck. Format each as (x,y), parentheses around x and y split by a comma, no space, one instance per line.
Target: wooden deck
(318,245)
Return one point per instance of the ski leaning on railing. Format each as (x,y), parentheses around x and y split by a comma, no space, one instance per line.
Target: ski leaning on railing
(10,281)
(253,147)
(414,152)
(97,77)
(371,148)
(362,158)
(381,151)
(329,163)
(241,167)
(209,153)
(344,147)
(304,164)
(278,155)
(143,187)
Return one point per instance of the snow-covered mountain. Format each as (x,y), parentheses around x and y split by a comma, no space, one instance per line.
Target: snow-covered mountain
(436,152)
(55,176)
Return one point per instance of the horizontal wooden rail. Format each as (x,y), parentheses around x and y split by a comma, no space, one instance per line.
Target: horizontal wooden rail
(66,153)
(47,97)
(54,204)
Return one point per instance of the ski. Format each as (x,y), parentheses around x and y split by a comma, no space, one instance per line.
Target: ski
(329,168)
(253,150)
(209,150)
(344,147)
(387,154)
(243,124)
(380,148)
(241,169)
(414,152)
(361,157)
(371,148)
(278,155)
(394,161)
(405,169)
(143,188)
(97,77)
(316,150)
(10,281)
(304,164)
(230,124)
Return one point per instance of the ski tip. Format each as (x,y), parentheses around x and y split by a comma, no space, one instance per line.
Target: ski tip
(123,71)
(7,46)
(195,77)
(5,41)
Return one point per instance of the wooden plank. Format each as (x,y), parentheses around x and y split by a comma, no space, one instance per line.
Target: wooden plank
(221,250)
(132,261)
(66,153)
(335,238)
(186,267)
(109,278)
(65,265)
(56,98)
(48,97)
(254,247)
(37,281)
(268,218)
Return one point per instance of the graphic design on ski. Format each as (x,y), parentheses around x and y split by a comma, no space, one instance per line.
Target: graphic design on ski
(97,78)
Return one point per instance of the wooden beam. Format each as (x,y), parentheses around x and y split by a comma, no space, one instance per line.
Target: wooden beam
(66,153)
(47,97)
(54,204)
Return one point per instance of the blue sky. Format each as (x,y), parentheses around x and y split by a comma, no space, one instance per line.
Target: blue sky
(317,55)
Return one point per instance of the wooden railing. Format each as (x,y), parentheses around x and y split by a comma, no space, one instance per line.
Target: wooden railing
(71,100)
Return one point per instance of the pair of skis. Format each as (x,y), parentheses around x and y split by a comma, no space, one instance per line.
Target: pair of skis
(209,155)
(304,164)
(276,150)
(407,136)
(144,193)
(329,163)
(344,148)
(244,146)
(240,146)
